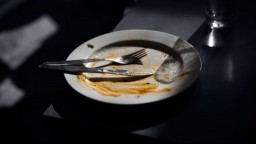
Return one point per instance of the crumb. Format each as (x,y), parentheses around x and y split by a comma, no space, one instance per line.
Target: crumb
(167,77)
(90,45)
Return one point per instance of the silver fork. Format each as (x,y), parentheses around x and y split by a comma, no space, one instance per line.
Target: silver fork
(75,66)
(133,58)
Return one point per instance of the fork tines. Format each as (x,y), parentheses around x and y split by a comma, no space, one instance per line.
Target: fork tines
(139,54)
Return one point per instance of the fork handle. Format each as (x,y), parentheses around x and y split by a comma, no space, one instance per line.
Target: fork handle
(74,62)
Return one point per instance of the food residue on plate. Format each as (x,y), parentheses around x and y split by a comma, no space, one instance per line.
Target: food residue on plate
(116,89)
(181,77)
(138,88)
(90,45)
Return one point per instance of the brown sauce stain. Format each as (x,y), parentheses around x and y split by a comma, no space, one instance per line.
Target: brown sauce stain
(116,89)
(164,90)
(167,77)
(111,54)
(181,77)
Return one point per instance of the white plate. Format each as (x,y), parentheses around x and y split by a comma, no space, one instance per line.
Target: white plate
(185,65)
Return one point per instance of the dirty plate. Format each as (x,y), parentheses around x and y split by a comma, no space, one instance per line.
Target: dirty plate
(176,64)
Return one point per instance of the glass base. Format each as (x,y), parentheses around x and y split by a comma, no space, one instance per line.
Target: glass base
(219,24)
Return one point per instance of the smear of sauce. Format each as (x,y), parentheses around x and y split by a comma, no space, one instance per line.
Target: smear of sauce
(137,88)
(116,89)
(181,77)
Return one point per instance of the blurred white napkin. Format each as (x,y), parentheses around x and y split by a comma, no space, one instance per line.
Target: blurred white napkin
(10,94)
(17,45)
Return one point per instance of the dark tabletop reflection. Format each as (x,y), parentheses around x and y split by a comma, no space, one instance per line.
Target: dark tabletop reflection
(120,117)
(217,37)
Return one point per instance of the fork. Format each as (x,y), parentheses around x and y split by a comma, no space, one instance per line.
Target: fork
(132,58)
(76,66)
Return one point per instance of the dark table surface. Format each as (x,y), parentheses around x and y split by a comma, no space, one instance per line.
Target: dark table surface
(218,107)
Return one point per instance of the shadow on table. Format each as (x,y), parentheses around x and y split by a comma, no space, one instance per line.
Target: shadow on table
(120,117)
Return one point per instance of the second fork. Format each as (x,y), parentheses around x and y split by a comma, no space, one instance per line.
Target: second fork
(133,58)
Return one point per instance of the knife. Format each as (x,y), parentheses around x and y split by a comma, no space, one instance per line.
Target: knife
(81,69)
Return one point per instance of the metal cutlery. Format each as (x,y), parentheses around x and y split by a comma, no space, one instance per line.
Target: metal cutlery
(133,58)
(77,66)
